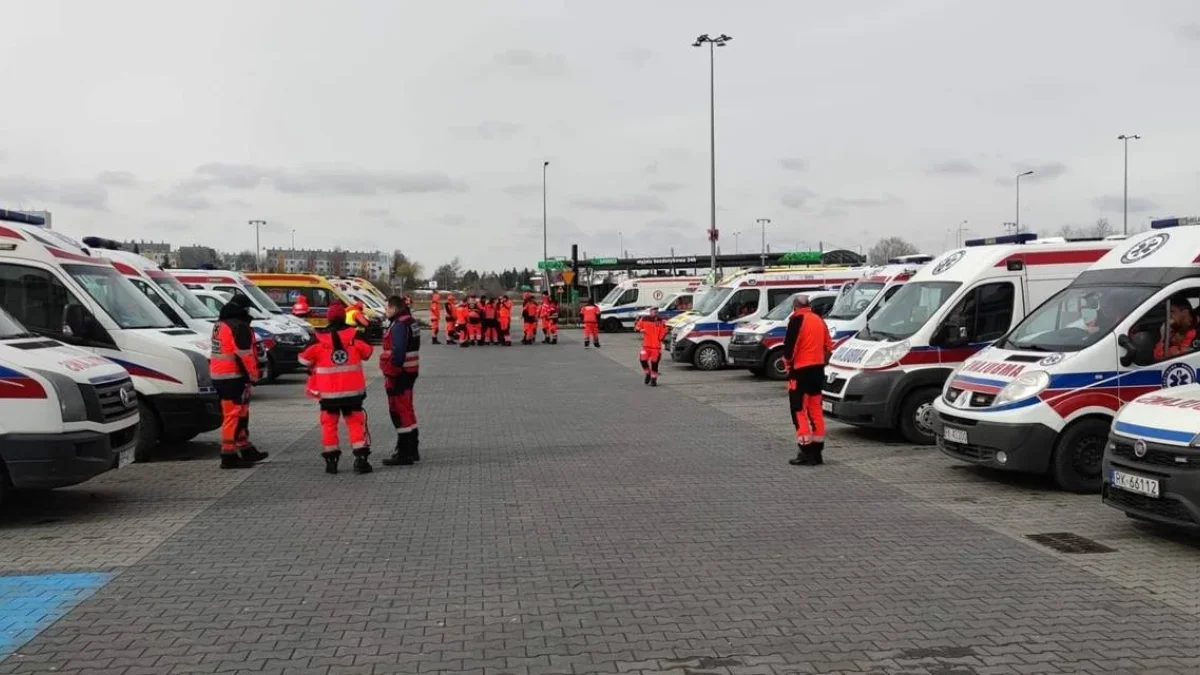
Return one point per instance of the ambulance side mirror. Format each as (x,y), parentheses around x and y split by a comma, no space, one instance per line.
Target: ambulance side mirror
(79,323)
(1139,349)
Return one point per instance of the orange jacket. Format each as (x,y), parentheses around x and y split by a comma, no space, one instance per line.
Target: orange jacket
(435,306)
(590,314)
(505,313)
(1181,343)
(460,314)
(489,310)
(807,342)
(653,331)
(335,362)
(232,354)
(529,311)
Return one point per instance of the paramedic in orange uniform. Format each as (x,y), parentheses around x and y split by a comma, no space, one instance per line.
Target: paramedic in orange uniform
(491,327)
(435,316)
(591,323)
(233,368)
(504,319)
(806,349)
(474,321)
(529,319)
(460,323)
(400,362)
(451,319)
(338,382)
(1182,337)
(548,311)
(654,331)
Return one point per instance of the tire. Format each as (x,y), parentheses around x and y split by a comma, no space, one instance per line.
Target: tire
(709,356)
(611,325)
(774,367)
(758,371)
(169,438)
(5,488)
(149,433)
(916,415)
(1078,463)
(272,373)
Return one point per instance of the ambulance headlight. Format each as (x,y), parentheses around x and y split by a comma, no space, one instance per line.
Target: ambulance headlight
(683,331)
(70,399)
(1027,384)
(886,356)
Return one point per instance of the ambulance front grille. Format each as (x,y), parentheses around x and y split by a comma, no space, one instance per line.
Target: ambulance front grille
(1156,457)
(104,403)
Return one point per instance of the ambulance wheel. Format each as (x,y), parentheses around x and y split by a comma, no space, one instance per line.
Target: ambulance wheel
(709,357)
(758,371)
(776,370)
(271,371)
(1079,458)
(5,488)
(611,326)
(149,433)
(916,416)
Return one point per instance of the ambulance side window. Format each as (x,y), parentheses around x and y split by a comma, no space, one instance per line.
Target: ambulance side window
(778,295)
(743,303)
(43,304)
(821,306)
(317,297)
(628,297)
(158,300)
(984,314)
(1181,325)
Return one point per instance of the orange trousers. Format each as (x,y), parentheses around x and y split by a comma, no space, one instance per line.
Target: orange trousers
(549,328)
(807,415)
(530,333)
(435,321)
(475,332)
(235,425)
(591,331)
(356,424)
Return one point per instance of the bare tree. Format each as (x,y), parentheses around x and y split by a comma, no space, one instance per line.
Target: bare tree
(1103,228)
(886,249)
(1067,232)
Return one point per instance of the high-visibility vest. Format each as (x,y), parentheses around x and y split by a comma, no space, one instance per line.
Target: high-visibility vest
(336,360)
(435,306)
(412,348)
(227,361)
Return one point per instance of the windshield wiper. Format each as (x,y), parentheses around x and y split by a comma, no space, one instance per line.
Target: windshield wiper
(1026,348)
(18,336)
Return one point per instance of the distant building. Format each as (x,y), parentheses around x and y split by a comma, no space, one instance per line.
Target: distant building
(367,264)
(193,257)
(160,252)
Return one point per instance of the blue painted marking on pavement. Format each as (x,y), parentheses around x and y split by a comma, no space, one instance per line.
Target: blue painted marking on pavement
(28,604)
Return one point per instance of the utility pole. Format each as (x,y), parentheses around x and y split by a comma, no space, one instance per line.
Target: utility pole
(545,247)
(1125,208)
(1027,173)
(719,41)
(257,245)
(763,222)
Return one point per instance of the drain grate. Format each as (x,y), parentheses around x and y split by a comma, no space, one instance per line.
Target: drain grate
(1069,542)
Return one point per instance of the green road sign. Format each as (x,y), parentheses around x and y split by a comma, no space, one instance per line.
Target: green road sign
(550,264)
(602,261)
(800,257)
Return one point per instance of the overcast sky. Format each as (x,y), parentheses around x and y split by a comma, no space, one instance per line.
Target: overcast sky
(423,126)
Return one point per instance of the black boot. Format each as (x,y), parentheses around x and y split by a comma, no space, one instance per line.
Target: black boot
(586,344)
(654,381)
(815,453)
(331,460)
(597,344)
(554,340)
(361,463)
(435,341)
(646,380)
(414,445)
(232,460)
(804,457)
(402,456)
(252,454)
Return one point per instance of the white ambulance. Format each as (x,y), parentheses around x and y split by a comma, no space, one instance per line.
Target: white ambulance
(1152,458)
(861,299)
(68,415)
(758,346)
(620,308)
(703,340)
(236,283)
(1042,399)
(888,375)
(60,289)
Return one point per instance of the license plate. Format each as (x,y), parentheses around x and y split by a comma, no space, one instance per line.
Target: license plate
(827,406)
(1136,484)
(955,435)
(125,458)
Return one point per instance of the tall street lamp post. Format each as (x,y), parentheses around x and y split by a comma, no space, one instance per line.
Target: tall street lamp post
(257,245)
(1018,221)
(763,224)
(719,41)
(545,246)
(1125,202)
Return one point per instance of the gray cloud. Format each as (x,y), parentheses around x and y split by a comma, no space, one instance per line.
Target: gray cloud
(116,178)
(490,130)
(796,198)
(183,201)
(1190,32)
(630,203)
(375,213)
(953,167)
(524,189)
(864,202)
(667,187)
(81,194)
(833,212)
(528,62)
(794,164)
(651,168)
(638,56)
(452,220)
(239,203)
(1115,203)
(170,226)
(237,176)
(335,181)
(1045,171)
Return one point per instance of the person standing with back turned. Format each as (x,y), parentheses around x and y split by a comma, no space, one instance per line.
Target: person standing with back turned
(435,316)
(233,368)
(591,323)
(806,350)
(400,363)
(654,331)
(338,382)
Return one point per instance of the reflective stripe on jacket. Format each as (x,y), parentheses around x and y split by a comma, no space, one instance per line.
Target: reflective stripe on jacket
(232,353)
(403,339)
(335,361)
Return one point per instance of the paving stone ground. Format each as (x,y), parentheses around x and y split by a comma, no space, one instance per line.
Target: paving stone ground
(567,519)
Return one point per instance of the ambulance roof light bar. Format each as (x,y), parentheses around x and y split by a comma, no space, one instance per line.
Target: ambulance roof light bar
(1020,238)
(1167,223)
(102,243)
(18,217)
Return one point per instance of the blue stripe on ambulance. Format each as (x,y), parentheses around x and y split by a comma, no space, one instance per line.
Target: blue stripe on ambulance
(1153,432)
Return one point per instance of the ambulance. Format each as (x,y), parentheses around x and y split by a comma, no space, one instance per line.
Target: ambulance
(286,288)
(60,289)
(673,306)
(888,375)
(703,340)
(1042,399)
(1152,458)
(371,295)
(619,309)
(236,283)
(69,415)
(861,299)
(758,345)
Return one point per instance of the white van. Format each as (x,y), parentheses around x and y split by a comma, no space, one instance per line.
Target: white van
(1043,398)
(703,340)
(674,305)
(861,299)
(236,283)
(69,415)
(619,309)
(888,375)
(758,346)
(60,289)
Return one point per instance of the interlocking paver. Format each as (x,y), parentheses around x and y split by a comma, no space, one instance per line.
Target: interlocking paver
(567,519)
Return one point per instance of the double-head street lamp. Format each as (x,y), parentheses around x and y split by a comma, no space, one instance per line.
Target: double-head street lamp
(1125,203)
(257,246)
(719,41)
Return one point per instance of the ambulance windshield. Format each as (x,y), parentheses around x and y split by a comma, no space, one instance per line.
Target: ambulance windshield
(124,303)
(783,310)
(908,310)
(612,296)
(712,299)
(256,294)
(184,298)
(1076,318)
(855,301)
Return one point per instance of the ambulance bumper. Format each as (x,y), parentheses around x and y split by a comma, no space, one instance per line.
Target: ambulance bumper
(42,461)
(1025,448)
(187,414)
(861,401)
(683,350)
(747,356)
(1177,483)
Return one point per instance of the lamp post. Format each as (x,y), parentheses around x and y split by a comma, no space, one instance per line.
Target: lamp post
(621,237)
(763,224)
(962,228)
(719,41)
(257,246)
(1018,222)
(1125,202)
(293,239)
(545,247)
(737,248)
